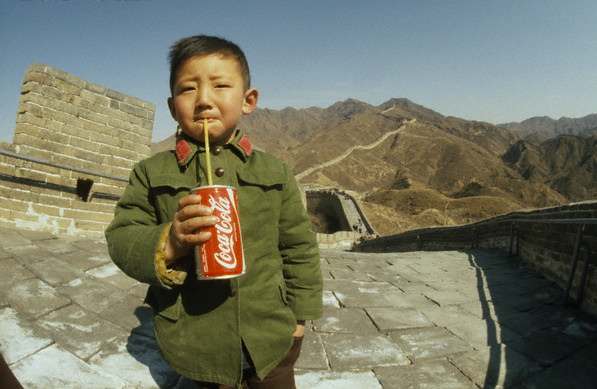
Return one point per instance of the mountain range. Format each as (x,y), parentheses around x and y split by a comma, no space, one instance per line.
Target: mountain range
(541,128)
(414,167)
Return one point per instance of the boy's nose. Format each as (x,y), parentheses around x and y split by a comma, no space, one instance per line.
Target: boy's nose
(203,98)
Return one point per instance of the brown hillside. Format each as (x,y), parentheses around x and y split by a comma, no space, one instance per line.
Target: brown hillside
(540,128)
(419,208)
(567,163)
(432,171)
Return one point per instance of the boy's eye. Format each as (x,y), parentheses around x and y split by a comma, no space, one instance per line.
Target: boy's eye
(222,86)
(187,88)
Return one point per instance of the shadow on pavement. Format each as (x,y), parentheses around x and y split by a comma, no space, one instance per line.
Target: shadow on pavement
(533,339)
(141,345)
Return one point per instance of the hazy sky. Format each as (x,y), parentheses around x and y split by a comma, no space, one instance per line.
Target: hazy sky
(495,61)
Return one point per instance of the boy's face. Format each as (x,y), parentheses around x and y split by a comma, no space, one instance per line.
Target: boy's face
(210,86)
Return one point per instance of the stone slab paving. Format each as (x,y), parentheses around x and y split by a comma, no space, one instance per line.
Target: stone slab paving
(35,298)
(136,359)
(54,271)
(351,352)
(79,331)
(337,380)
(451,319)
(386,319)
(348,320)
(313,355)
(429,343)
(11,272)
(436,374)
(54,367)
(18,337)
(494,367)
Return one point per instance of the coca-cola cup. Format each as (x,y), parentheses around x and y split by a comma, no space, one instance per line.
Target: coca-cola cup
(222,255)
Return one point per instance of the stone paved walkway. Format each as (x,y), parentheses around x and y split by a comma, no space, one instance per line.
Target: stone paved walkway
(70,319)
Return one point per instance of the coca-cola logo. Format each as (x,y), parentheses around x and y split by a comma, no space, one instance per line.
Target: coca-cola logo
(225,255)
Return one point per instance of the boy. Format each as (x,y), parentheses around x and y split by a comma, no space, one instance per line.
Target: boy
(245,330)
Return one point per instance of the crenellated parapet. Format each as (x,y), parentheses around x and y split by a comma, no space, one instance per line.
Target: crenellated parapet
(560,242)
(337,217)
(74,145)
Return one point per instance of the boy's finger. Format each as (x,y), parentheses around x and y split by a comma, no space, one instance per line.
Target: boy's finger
(188,200)
(198,238)
(191,225)
(191,211)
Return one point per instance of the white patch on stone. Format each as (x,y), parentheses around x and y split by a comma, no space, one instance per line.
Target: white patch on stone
(76,282)
(369,290)
(105,271)
(330,321)
(134,368)
(30,210)
(77,315)
(336,380)
(329,300)
(33,290)
(99,258)
(61,212)
(43,223)
(54,367)
(378,350)
(59,325)
(72,229)
(17,339)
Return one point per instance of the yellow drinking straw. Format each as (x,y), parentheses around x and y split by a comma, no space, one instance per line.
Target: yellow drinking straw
(207,155)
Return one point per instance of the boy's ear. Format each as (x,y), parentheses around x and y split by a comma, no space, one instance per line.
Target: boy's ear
(250,100)
(172,110)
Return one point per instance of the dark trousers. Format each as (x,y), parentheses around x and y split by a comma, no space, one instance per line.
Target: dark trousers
(281,377)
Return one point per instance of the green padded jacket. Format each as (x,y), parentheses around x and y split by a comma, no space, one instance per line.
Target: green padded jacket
(200,325)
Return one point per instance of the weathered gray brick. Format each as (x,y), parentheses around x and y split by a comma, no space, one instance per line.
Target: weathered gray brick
(37,68)
(96,88)
(95,98)
(115,95)
(133,110)
(35,298)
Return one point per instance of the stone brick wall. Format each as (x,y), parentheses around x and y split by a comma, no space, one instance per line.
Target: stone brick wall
(328,209)
(343,204)
(67,120)
(39,197)
(545,246)
(342,240)
(74,145)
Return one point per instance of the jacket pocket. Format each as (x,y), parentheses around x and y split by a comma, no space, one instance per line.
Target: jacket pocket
(273,179)
(260,197)
(165,303)
(165,191)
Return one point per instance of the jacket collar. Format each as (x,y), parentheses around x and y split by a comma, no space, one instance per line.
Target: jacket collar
(187,147)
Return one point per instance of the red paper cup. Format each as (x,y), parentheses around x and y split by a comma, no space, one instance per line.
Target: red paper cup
(222,255)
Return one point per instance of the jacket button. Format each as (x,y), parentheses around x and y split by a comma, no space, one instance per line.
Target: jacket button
(219,172)
(217,150)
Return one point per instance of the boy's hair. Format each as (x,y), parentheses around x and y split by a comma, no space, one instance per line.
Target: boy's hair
(198,45)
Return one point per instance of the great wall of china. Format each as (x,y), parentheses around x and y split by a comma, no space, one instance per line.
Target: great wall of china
(75,143)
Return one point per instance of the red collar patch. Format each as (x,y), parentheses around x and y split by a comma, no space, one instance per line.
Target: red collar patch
(246,145)
(183,150)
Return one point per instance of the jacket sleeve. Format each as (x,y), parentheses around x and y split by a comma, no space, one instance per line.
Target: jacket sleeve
(300,255)
(134,237)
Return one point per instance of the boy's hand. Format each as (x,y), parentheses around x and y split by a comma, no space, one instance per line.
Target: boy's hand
(299,332)
(188,221)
